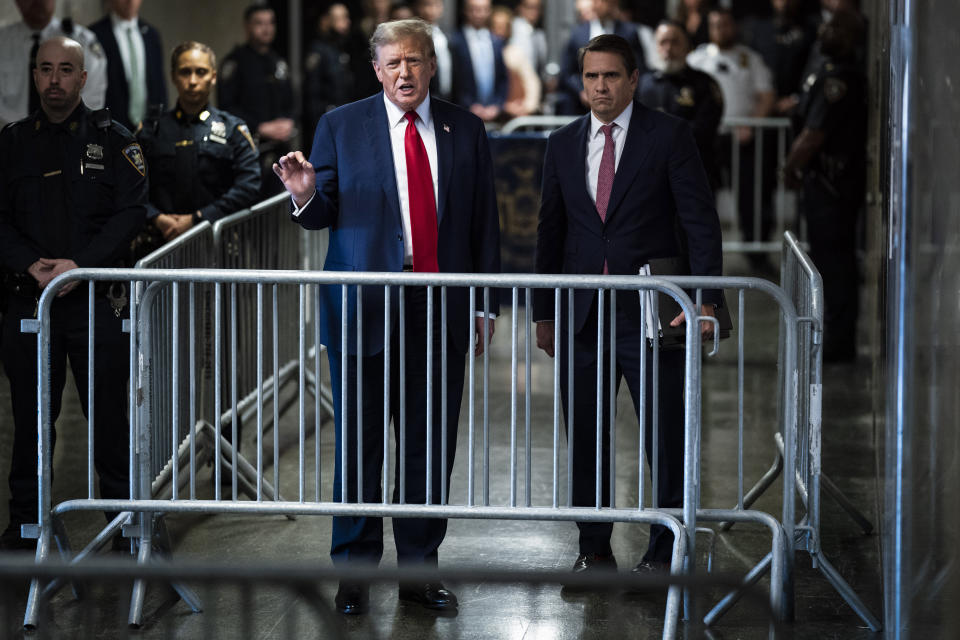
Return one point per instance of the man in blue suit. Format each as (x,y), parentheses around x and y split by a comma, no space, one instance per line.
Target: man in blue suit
(404,182)
(479,73)
(135,79)
(622,186)
(571,99)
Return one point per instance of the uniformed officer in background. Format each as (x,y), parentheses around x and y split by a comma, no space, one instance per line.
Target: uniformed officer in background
(255,85)
(828,162)
(203,161)
(73,193)
(18,48)
(685,92)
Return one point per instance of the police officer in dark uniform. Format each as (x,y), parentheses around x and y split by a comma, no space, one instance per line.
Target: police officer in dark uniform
(254,84)
(73,192)
(685,92)
(828,162)
(203,161)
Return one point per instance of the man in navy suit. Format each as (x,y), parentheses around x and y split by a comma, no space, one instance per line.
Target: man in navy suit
(135,79)
(622,186)
(571,99)
(479,73)
(404,182)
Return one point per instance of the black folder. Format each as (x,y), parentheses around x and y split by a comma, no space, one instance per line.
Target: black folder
(668,308)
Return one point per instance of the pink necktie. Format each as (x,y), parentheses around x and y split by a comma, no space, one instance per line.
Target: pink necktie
(423,205)
(605,176)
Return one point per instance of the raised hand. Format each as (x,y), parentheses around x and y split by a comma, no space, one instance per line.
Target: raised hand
(297,175)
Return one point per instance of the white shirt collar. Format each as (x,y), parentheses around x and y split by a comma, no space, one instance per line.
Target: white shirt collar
(121,24)
(622,120)
(472,32)
(395,114)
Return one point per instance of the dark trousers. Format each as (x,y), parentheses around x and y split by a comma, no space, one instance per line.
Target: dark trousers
(581,430)
(746,205)
(417,539)
(68,342)
(831,230)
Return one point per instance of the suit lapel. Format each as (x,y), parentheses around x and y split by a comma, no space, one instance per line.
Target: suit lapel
(378,136)
(579,166)
(635,151)
(443,132)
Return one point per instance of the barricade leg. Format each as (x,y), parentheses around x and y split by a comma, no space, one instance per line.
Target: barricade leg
(762,485)
(845,504)
(846,592)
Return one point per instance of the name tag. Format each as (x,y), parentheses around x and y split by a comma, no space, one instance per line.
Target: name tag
(93,165)
(216,138)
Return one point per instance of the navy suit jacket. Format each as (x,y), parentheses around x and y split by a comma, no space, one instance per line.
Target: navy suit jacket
(118,93)
(570,81)
(660,201)
(465,83)
(357,200)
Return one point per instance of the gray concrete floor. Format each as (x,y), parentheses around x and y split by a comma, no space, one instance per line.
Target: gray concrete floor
(510,611)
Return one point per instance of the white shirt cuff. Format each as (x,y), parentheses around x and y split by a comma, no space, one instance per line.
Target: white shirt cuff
(480,314)
(296,209)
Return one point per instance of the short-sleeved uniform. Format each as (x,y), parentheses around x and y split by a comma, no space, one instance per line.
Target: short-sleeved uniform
(77,190)
(835,102)
(204,165)
(695,97)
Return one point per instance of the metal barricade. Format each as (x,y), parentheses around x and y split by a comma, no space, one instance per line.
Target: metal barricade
(802,282)
(767,194)
(524,502)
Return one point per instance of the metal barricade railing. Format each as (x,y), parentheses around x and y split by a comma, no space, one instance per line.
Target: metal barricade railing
(524,501)
(767,193)
(476,503)
(802,282)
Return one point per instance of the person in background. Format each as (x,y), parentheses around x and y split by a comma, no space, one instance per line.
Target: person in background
(404,182)
(527,36)
(430,11)
(135,78)
(400,11)
(827,162)
(203,161)
(692,14)
(73,190)
(572,99)
(481,76)
(19,42)
(254,85)
(748,92)
(331,66)
(523,86)
(685,92)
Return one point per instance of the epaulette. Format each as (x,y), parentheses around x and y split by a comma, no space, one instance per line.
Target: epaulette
(101,118)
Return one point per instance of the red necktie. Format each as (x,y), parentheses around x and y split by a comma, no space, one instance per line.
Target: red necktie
(423,205)
(605,176)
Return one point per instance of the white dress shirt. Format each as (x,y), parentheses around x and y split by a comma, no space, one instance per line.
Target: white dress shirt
(480,44)
(16,40)
(127,31)
(397,123)
(595,142)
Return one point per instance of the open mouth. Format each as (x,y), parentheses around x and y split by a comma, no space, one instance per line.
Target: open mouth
(406,88)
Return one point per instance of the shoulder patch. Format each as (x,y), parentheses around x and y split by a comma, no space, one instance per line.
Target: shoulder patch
(134,155)
(228,69)
(834,89)
(245,132)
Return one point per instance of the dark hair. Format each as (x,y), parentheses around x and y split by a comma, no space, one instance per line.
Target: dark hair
(609,43)
(256,7)
(723,11)
(190,45)
(667,22)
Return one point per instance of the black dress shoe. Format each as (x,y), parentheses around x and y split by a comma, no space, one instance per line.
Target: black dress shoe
(647,567)
(590,563)
(431,595)
(352,598)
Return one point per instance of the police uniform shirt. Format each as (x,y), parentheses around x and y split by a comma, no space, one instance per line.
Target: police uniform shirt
(255,86)
(75,189)
(16,41)
(739,71)
(691,95)
(784,47)
(206,163)
(834,102)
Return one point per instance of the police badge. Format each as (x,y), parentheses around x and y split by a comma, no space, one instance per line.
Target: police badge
(94,152)
(218,128)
